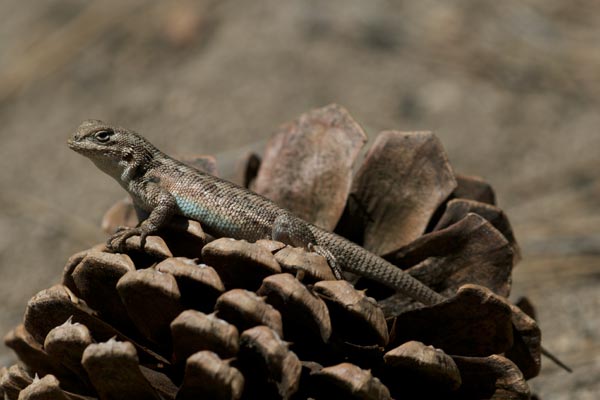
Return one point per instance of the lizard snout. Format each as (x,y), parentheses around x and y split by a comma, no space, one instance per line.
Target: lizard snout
(72,141)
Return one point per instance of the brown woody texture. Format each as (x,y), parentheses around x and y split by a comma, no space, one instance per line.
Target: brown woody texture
(190,315)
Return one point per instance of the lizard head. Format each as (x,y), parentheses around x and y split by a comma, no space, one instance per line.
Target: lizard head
(111,148)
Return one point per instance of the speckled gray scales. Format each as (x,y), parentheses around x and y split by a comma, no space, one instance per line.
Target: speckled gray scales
(164,187)
(221,207)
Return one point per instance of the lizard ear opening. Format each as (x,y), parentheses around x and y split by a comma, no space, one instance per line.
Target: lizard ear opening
(128,156)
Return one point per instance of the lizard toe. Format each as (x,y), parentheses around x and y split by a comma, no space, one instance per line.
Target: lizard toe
(143,236)
(121,228)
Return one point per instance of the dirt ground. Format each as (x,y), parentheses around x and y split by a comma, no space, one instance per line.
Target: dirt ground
(512,88)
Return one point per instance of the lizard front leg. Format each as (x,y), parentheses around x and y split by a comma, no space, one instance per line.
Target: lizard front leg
(159,216)
(293,231)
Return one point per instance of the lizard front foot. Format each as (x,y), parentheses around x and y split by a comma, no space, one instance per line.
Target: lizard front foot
(117,241)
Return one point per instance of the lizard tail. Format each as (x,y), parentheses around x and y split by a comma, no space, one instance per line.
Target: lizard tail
(354,258)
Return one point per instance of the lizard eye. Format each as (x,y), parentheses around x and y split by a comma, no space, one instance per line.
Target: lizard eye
(102,136)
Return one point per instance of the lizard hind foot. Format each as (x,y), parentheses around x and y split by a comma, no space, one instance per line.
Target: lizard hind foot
(293,231)
(333,264)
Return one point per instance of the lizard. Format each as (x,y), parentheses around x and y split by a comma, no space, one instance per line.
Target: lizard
(162,187)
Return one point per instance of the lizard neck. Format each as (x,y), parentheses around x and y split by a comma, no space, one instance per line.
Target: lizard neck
(132,165)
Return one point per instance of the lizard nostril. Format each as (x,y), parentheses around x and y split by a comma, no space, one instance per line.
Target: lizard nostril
(71,141)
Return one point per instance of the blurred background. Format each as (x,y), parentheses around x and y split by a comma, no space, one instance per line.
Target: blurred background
(512,88)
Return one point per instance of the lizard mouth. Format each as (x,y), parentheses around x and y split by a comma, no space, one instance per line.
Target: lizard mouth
(75,145)
(72,144)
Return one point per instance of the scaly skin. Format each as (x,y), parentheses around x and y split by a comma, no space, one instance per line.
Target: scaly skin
(163,187)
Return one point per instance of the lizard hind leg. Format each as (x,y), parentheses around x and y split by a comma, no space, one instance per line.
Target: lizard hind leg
(295,232)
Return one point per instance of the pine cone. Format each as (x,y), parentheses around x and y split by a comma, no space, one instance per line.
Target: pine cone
(190,316)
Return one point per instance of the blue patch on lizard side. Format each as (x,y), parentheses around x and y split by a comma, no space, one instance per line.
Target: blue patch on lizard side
(191,209)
